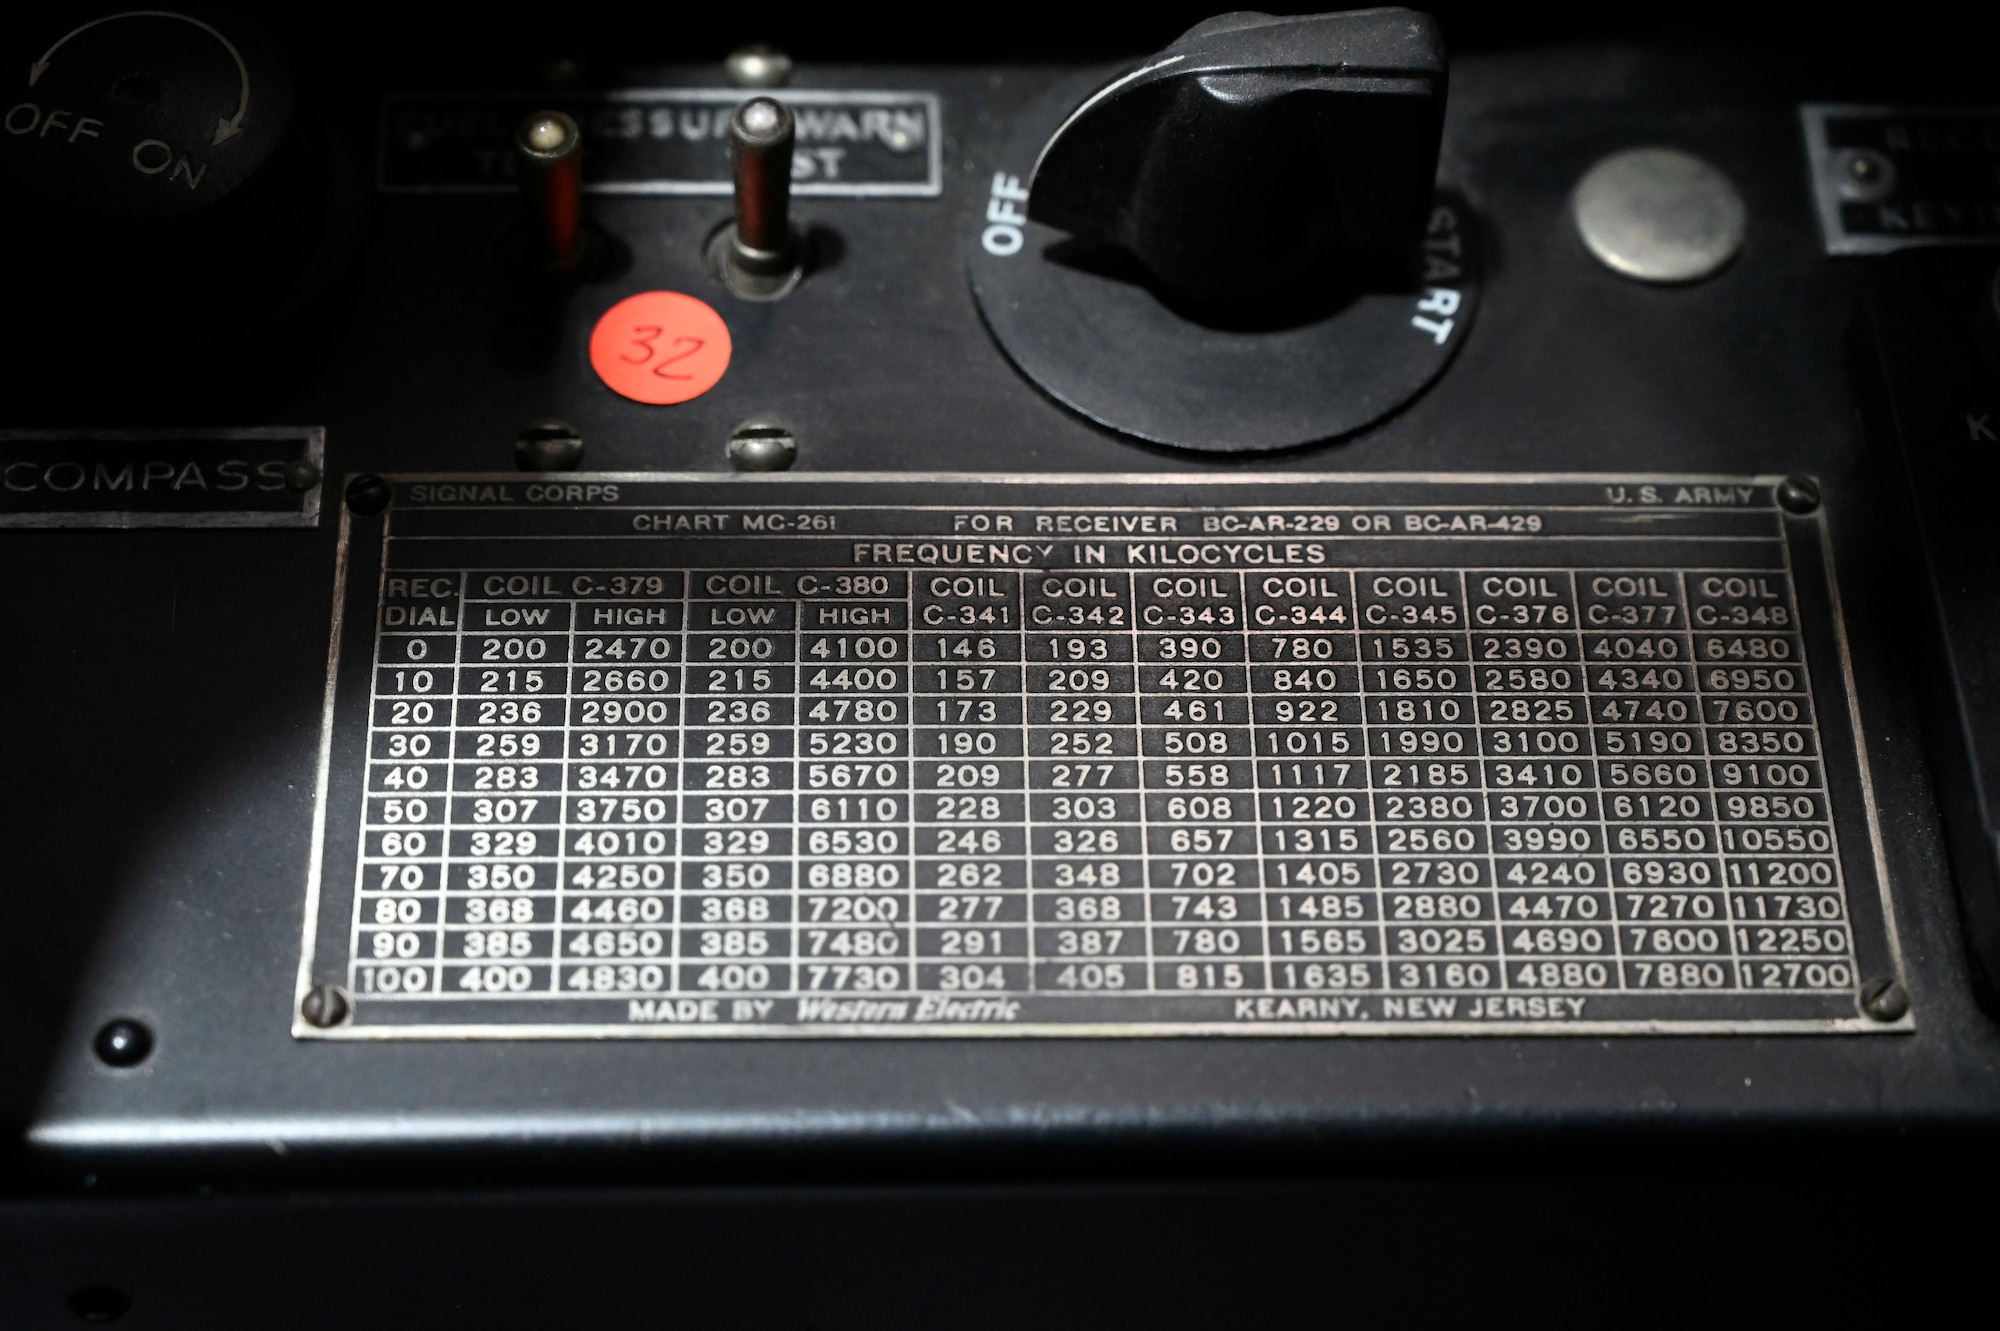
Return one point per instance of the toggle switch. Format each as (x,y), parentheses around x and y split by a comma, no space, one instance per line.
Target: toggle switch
(759,256)
(548,152)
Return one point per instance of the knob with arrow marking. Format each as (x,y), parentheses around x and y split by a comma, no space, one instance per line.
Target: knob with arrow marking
(160,173)
(138,115)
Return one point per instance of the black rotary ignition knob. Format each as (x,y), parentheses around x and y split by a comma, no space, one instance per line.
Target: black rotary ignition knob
(1239,243)
(1256,153)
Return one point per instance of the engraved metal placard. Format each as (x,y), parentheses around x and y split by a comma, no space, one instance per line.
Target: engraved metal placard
(257,476)
(1888,178)
(666,141)
(647,755)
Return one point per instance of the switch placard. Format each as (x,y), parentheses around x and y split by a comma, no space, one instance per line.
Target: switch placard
(853,144)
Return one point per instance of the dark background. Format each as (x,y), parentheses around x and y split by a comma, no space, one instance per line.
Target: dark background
(411,36)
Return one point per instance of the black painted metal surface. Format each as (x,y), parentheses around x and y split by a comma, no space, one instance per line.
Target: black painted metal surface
(164,690)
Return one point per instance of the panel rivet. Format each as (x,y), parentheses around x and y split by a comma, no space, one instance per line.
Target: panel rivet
(1798,494)
(368,495)
(1659,215)
(1885,999)
(324,1006)
(123,1043)
(1865,176)
(301,475)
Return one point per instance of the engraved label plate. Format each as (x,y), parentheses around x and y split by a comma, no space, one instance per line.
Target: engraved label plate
(254,477)
(851,144)
(645,755)
(1888,178)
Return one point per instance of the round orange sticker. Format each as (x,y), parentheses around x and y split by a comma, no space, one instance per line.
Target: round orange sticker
(660,347)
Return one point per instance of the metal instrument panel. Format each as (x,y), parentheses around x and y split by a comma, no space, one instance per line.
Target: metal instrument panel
(672,756)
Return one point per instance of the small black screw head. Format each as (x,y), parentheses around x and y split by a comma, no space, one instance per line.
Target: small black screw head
(549,445)
(758,66)
(1885,999)
(1798,494)
(1865,176)
(762,446)
(99,1303)
(324,1006)
(123,1043)
(368,495)
(301,475)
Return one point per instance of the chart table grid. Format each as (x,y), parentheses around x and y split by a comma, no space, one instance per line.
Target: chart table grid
(659,767)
